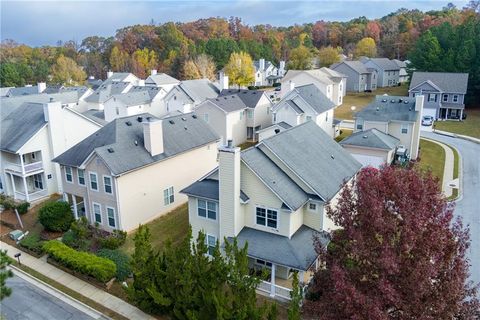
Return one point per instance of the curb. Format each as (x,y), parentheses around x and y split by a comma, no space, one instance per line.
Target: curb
(454,135)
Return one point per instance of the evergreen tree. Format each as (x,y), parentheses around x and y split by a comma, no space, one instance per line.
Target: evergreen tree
(4,275)
(296,298)
(427,54)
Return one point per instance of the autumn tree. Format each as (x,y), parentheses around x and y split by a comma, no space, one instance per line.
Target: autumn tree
(4,275)
(366,47)
(190,70)
(66,71)
(202,66)
(328,56)
(240,69)
(399,254)
(143,61)
(301,57)
(119,60)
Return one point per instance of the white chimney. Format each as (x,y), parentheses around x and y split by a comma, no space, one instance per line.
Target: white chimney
(153,72)
(261,64)
(141,83)
(109,74)
(229,187)
(153,136)
(286,87)
(41,86)
(223,80)
(281,68)
(419,99)
(91,78)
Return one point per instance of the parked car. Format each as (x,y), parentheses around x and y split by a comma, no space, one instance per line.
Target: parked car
(427,120)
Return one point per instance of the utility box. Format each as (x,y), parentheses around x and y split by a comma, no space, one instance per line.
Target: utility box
(16,235)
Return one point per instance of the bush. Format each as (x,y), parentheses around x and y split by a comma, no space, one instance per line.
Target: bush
(100,268)
(22,208)
(7,202)
(56,216)
(277,84)
(121,260)
(114,240)
(32,242)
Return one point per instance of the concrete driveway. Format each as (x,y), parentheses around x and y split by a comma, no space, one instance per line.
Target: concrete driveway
(468,205)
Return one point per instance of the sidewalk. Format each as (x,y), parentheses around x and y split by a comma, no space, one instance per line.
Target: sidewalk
(109,301)
(448,169)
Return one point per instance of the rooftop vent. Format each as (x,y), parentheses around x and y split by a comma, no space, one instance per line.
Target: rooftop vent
(194,116)
(217,100)
(185,128)
(139,119)
(406,102)
(149,118)
(110,150)
(384,100)
(400,100)
(365,137)
(128,123)
(184,119)
(392,101)
(378,109)
(135,142)
(332,156)
(171,121)
(277,131)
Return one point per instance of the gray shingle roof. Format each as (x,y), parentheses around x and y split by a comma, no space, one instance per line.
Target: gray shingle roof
(298,252)
(447,82)
(58,89)
(181,133)
(199,90)
(314,157)
(355,65)
(152,91)
(161,79)
(400,63)
(389,108)
(96,115)
(134,98)
(228,103)
(118,77)
(315,98)
(206,188)
(383,63)
(371,138)
(249,97)
(105,91)
(23,91)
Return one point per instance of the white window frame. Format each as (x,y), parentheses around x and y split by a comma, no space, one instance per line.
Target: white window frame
(241,115)
(263,263)
(206,208)
(83,176)
(209,237)
(404,127)
(95,214)
(113,217)
(445,97)
(38,181)
(67,174)
(430,95)
(310,204)
(455,98)
(169,196)
(308,118)
(249,114)
(105,184)
(266,217)
(90,173)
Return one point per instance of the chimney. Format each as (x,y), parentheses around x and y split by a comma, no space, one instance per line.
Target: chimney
(419,99)
(291,85)
(223,80)
(261,64)
(153,72)
(91,78)
(281,68)
(153,136)
(287,87)
(109,74)
(41,86)
(141,83)
(229,187)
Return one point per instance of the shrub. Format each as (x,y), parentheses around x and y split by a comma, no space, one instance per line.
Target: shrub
(7,202)
(32,242)
(113,240)
(100,268)
(121,260)
(56,216)
(22,208)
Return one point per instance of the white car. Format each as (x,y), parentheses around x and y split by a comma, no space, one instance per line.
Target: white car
(427,120)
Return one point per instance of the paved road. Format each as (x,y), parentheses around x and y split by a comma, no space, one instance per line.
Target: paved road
(468,206)
(29,302)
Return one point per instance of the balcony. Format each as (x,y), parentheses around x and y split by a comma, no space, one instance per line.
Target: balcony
(27,169)
(33,195)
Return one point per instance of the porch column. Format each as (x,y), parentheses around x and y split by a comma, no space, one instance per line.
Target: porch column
(272,282)
(25,186)
(65,197)
(13,186)
(74,200)
(461,115)
(446,114)
(22,165)
(301,276)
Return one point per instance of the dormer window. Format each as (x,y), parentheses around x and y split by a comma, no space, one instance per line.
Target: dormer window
(267,217)
(312,206)
(455,98)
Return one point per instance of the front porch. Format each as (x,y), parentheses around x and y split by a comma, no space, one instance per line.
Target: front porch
(27,188)
(447,113)
(77,204)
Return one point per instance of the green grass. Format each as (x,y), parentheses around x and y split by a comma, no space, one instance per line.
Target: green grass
(468,127)
(246,145)
(344,133)
(174,226)
(432,157)
(362,99)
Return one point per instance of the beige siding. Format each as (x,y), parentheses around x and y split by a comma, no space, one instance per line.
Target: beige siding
(313,219)
(381,126)
(217,119)
(325,121)
(395,129)
(367,151)
(199,223)
(140,192)
(263,114)
(237,127)
(296,220)
(229,192)
(287,115)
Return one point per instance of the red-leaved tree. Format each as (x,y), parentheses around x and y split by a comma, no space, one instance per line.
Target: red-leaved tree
(399,255)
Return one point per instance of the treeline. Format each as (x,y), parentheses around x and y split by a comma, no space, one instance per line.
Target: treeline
(170,46)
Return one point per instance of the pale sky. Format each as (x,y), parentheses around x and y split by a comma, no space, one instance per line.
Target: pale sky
(39,23)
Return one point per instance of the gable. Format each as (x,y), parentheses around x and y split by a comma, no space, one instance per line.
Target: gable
(426,86)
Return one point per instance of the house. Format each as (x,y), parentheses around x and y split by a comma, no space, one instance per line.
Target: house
(388,71)
(161,80)
(330,82)
(188,94)
(131,171)
(274,196)
(371,147)
(25,90)
(266,73)
(123,77)
(32,134)
(399,117)
(305,103)
(444,93)
(237,114)
(272,130)
(105,91)
(359,77)
(403,75)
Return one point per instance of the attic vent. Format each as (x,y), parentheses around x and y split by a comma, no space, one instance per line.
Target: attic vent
(400,100)
(392,101)
(365,137)
(171,121)
(277,131)
(139,119)
(406,102)
(332,156)
(378,109)
(110,150)
(184,119)
(194,116)
(185,128)
(135,142)
(128,123)
(384,100)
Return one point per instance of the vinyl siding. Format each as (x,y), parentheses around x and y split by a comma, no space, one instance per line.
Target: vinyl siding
(199,223)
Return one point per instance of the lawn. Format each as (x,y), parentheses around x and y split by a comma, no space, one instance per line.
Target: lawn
(432,157)
(174,226)
(343,134)
(360,100)
(247,144)
(468,127)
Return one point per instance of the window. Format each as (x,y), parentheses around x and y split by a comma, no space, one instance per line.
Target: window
(359,126)
(250,114)
(97,212)
(455,98)
(38,181)
(309,118)
(111,217)
(107,183)
(68,174)
(404,128)
(445,98)
(211,243)
(432,97)
(205,117)
(32,155)
(274,118)
(117,109)
(1,184)
(93,181)
(312,206)
(207,209)
(267,217)
(168,197)
(263,263)
(326,116)
(81,176)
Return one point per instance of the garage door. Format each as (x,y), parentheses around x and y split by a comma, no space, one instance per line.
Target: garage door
(430,112)
(366,160)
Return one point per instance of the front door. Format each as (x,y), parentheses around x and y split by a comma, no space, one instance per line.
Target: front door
(249,133)
(443,113)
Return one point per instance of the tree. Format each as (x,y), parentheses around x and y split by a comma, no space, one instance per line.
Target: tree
(9,76)
(119,60)
(240,69)
(399,255)
(366,47)
(66,71)
(190,70)
(427,53)
(202,66)
(221,50)
(4,275)
(296,298)
(328,56)
(143,61)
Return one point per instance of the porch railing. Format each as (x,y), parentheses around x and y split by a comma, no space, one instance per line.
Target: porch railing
(32,196)
(27,168)
(280,292)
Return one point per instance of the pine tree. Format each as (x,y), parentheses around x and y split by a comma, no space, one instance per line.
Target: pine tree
(4,275)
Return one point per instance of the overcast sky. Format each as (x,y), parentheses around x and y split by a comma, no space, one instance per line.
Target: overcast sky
(45,22)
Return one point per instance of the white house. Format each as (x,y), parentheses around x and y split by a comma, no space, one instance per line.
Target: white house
(266,73)
(161,80)
(274,197)
(188,94)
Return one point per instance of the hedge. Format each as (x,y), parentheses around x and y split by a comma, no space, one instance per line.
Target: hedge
(121,259)
(32,242)
(100,268)
(56,216)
